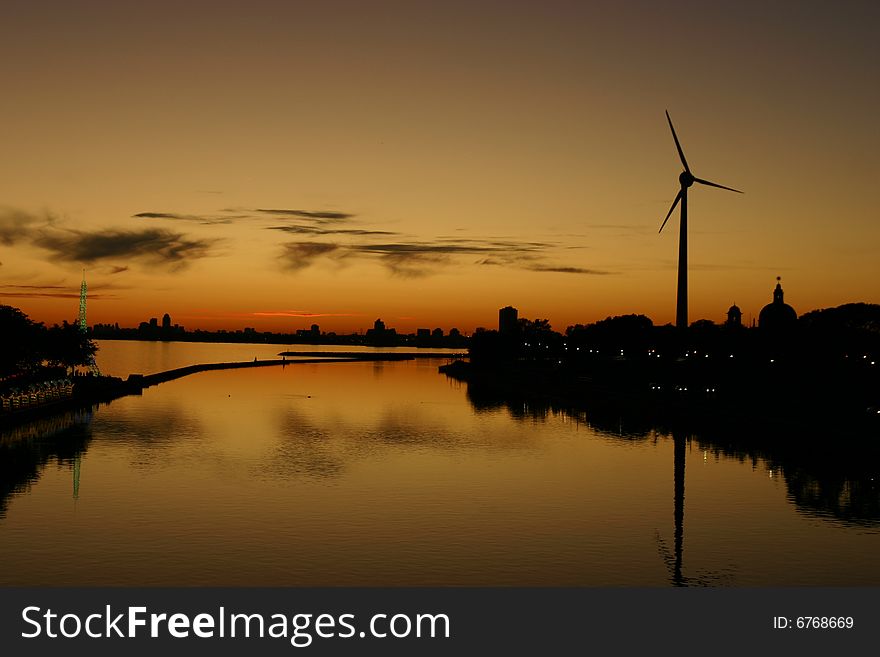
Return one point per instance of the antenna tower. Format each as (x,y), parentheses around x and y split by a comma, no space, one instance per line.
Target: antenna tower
(83,326)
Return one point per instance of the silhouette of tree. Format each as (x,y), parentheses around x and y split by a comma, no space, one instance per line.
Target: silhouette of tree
(538,339)
(626,332)
(851,328)
(26,345)
(21,342)
(68,346)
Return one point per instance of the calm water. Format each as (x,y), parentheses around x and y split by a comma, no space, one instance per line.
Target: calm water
(391,474)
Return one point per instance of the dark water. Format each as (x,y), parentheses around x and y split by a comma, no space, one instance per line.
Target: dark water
(391,474)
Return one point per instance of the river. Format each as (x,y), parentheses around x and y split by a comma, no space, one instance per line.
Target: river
(389,473)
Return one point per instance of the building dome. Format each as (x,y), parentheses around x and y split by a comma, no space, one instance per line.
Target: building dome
(734,316)
(777,315)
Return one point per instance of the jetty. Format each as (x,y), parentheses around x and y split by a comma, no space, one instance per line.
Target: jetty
(87,389)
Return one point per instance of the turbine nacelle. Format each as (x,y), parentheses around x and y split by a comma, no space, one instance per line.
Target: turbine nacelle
(686,178)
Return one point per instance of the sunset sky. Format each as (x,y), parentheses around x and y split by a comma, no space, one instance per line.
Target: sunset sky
(278,164)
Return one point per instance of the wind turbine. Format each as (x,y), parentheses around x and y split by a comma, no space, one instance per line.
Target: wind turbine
(686,178)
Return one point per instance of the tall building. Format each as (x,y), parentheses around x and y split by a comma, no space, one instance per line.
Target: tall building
(380,335)
(166,322)
(507,319)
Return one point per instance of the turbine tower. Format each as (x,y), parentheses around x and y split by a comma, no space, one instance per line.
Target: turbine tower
(686,179)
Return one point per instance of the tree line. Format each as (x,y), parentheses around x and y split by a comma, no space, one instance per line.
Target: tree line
(27,346)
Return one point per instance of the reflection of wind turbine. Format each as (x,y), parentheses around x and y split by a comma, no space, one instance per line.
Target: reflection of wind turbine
(686,179)
(675,560)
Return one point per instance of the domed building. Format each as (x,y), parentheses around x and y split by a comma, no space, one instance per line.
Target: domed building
(777,316)
(734,316)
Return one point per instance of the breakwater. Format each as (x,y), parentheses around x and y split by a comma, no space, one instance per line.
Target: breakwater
(302,357)
(85,391)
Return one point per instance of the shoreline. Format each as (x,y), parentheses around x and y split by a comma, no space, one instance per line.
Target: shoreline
(599,395)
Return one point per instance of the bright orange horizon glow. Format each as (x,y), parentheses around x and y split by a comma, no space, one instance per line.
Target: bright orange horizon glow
(276,165)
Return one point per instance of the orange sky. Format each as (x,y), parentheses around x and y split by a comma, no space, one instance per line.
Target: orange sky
(428,163)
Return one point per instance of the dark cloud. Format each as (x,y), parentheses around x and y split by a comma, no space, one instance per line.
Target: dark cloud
(413,264)
(422,248)
(482,244)
(48,291)
(299,255)
(416,259)
(118,269)
(159,215)
(494,262)
(568,270)
(151,245)
(539,264)
(227,215)
(201,219)
(17,225)
(318,230)
(307,214)
(55,295)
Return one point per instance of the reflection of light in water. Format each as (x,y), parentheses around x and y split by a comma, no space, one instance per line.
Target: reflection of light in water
(76,467)
(46,427)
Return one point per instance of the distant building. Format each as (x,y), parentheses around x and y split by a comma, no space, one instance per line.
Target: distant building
(508,318)
(166,322)
(437,334)
(778,315)
(380,336)
(154,323)
(316,330)
(734,316)
(423,337)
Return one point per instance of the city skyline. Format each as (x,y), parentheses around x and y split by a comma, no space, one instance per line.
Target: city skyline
(506,321)
(279,165)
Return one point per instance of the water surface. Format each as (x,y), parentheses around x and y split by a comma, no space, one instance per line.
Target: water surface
(387,474)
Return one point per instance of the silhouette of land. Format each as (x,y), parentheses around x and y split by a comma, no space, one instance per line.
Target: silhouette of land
(45,370)
(377,336)
(819,371)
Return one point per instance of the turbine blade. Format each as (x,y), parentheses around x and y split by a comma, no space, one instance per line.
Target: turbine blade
(711,184)
(677,145)
(669,214)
